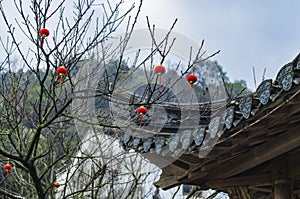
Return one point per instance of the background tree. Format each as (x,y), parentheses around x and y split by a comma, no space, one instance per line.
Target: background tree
(212,71)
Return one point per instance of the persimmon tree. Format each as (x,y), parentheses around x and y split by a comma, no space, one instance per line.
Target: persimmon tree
(52,54)
(38,137)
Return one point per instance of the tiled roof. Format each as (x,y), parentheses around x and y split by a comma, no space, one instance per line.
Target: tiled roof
(256,128)
(240,114)
(251,130)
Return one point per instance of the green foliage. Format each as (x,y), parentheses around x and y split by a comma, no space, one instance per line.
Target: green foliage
(214,74)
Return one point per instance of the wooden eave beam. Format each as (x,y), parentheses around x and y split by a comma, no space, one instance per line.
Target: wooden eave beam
(240,181)
(260,154)
(256,156)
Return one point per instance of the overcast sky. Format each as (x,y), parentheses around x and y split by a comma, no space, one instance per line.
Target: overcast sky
(249,33)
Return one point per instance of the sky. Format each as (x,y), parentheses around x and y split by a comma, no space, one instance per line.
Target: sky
(263,34)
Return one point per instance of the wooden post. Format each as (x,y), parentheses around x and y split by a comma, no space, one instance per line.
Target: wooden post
(280,178)
(282,189)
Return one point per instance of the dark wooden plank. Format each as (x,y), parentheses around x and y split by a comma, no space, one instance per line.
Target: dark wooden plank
(190,159)
(294,162)
(261,189)
(240,181)
(262,153)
